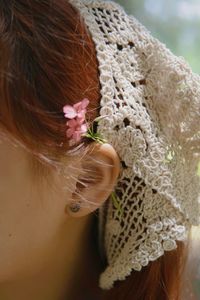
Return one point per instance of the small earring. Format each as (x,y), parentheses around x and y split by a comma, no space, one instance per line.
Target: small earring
(75,207)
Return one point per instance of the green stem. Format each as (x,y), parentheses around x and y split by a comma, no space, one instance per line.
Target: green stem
(94,136)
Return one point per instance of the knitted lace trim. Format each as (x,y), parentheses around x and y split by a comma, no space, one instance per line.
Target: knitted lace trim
(151,99)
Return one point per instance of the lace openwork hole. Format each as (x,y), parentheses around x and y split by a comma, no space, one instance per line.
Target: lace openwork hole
(123,164)
(119,47)
(126,122)
(131,44)
(116,128)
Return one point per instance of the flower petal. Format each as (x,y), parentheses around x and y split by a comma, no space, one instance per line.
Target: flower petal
(80,120)
(69,132)
(72,123)
(83,128)
(69,111)
(77,136)
(78,106)
(81,105)
(85,102)
(81,114)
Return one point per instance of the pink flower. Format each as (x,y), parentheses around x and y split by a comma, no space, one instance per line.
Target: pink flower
(77,110)
(76,124)
(76,129)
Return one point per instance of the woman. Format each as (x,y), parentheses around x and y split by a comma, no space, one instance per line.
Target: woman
(58,170)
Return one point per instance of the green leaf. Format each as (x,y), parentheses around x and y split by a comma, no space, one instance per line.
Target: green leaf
(94,135)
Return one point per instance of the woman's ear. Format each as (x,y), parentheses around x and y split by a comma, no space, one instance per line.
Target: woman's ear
(99,171)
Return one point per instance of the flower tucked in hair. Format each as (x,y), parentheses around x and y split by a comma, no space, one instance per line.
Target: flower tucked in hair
(77,125)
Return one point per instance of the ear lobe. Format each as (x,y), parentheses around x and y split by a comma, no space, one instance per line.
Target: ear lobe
(100,169)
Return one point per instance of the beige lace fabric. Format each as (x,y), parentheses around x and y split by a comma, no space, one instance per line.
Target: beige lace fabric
(151,103)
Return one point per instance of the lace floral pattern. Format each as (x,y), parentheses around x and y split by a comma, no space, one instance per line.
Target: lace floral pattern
(152,102)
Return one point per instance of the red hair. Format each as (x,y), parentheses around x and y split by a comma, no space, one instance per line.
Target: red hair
(48,59)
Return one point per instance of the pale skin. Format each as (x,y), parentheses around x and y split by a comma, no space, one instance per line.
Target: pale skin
(42,244)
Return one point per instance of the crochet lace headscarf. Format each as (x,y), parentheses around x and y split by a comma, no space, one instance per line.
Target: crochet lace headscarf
(151,99)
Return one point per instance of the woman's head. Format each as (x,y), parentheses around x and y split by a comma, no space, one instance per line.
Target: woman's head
(47,61)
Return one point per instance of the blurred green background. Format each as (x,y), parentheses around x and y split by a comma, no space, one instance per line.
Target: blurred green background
(174,22)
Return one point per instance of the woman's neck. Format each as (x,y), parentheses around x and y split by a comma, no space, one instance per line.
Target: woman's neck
(85,284)
(72,273)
